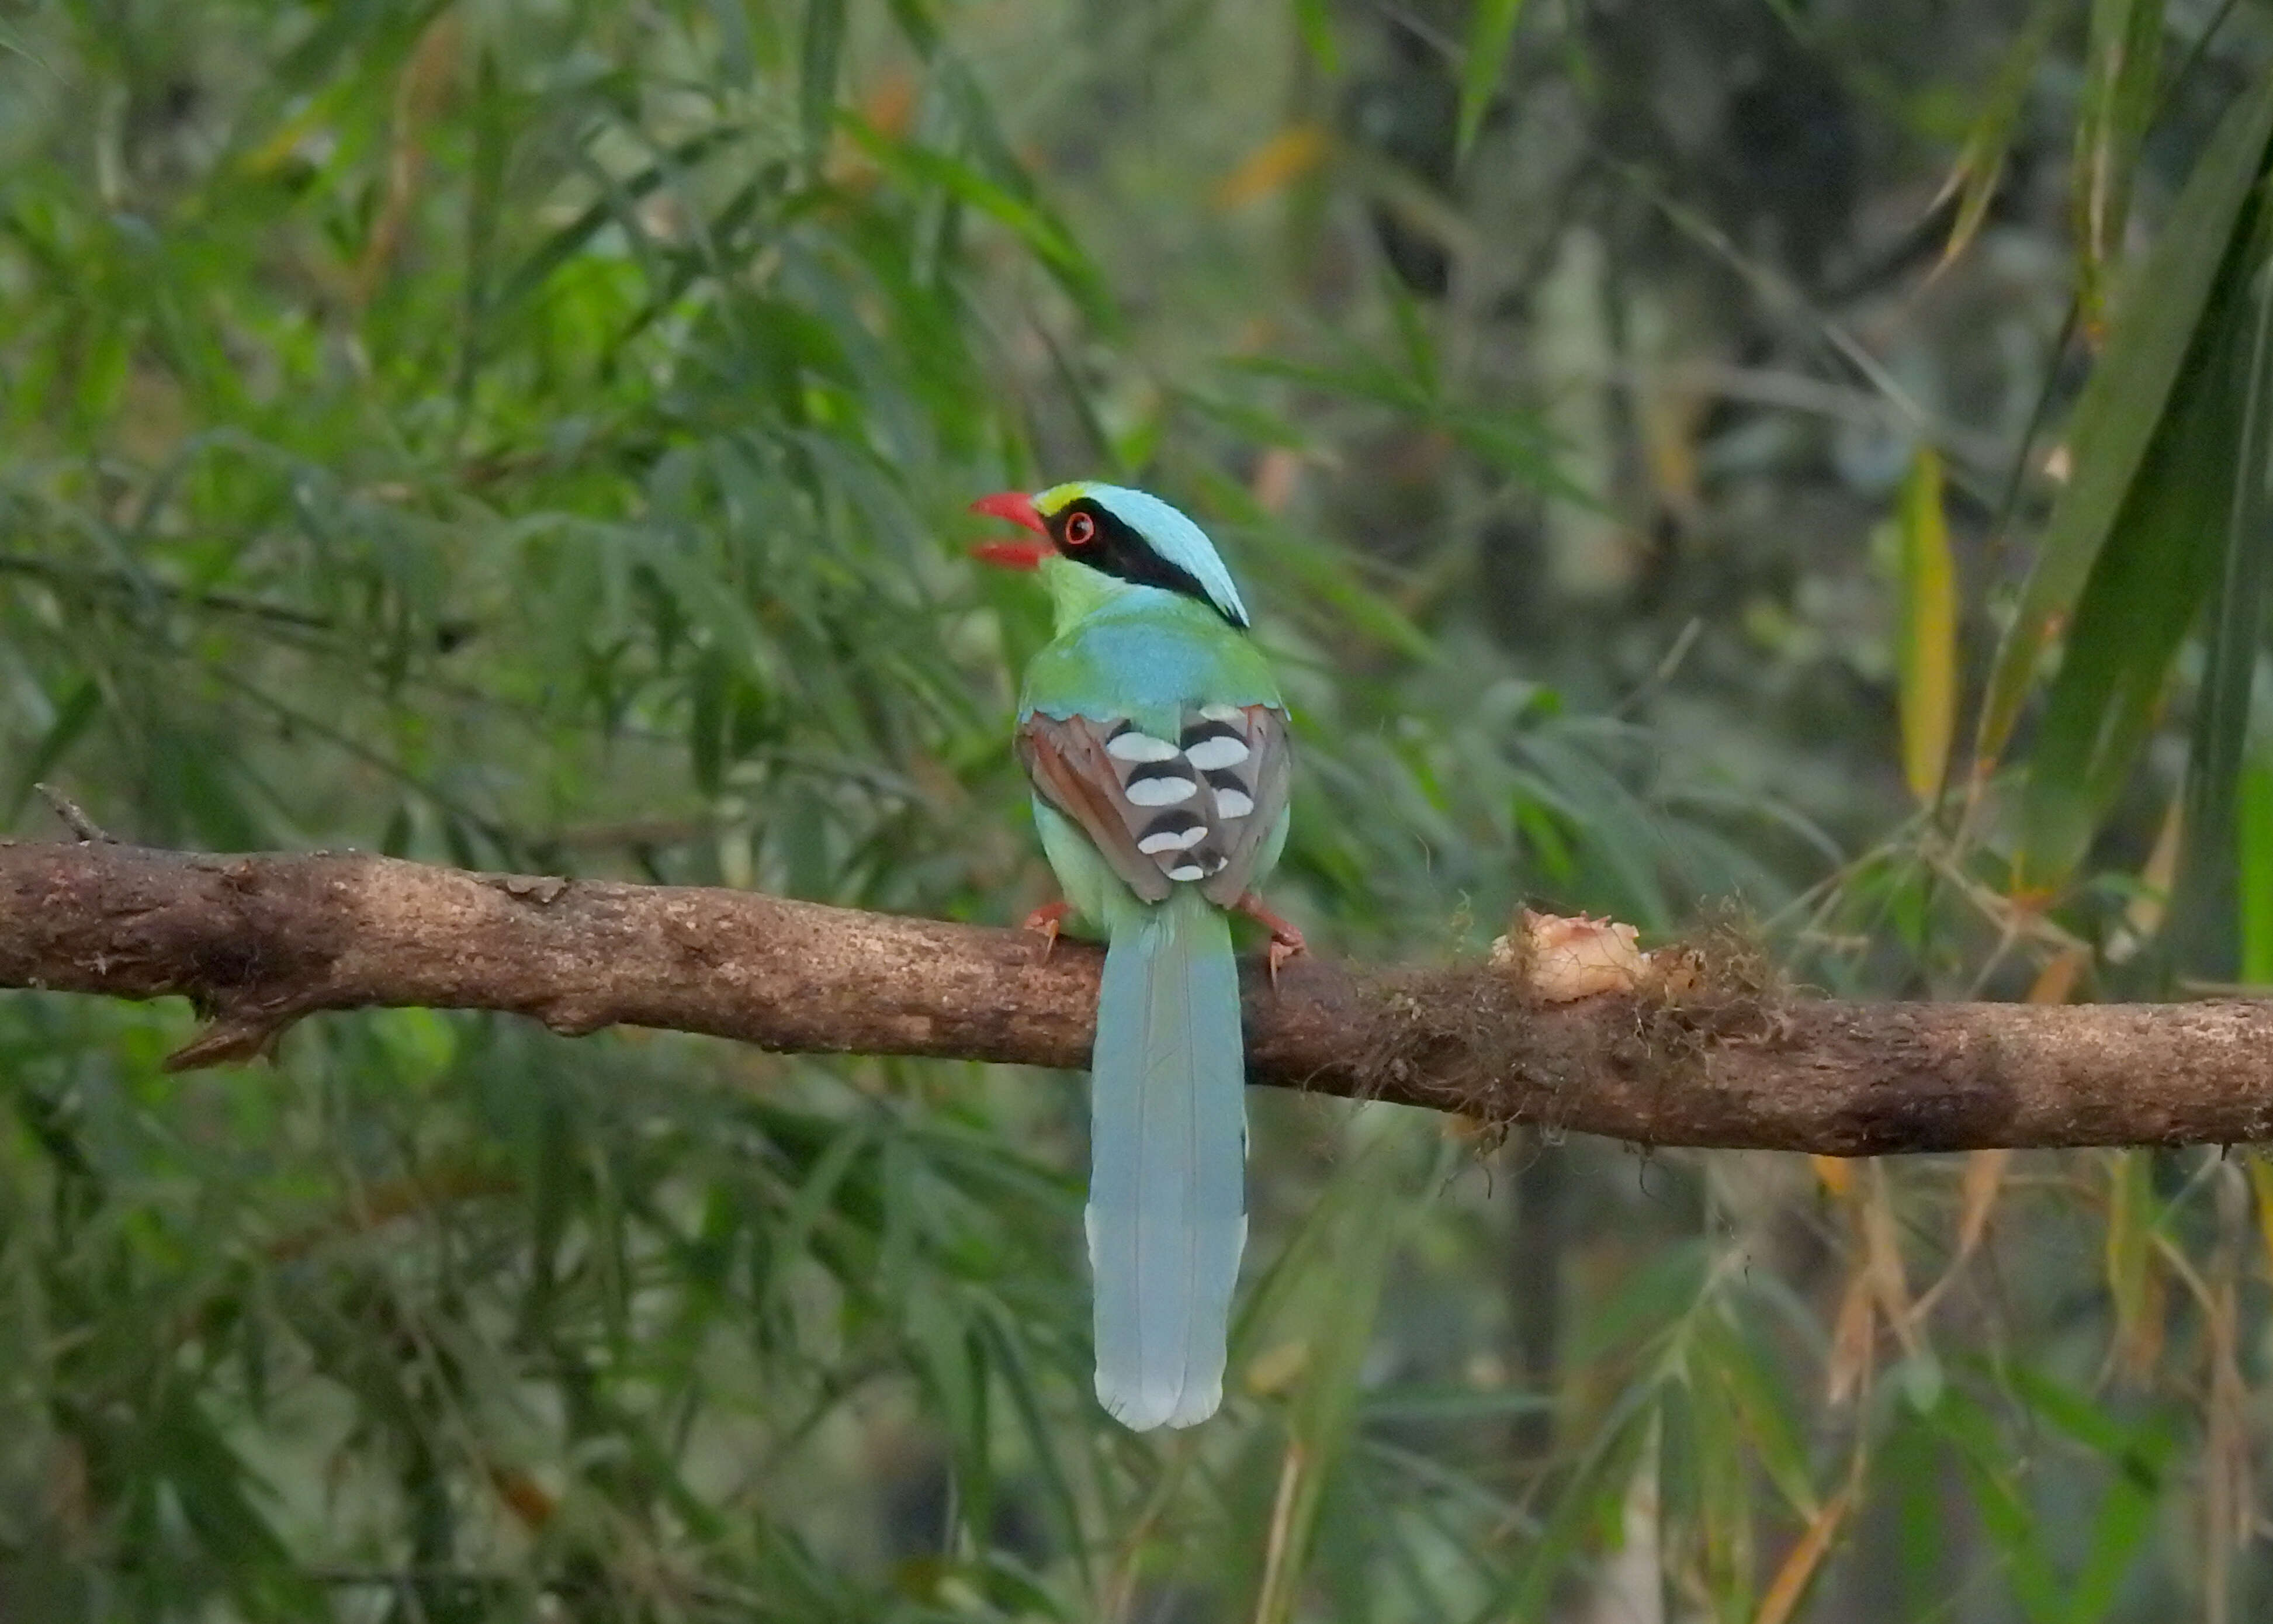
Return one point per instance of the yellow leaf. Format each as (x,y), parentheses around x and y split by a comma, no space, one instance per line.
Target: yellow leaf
(1275,1368)
(1279,162)
(1882,1258)
(1928,652)
(1806,1556)
(1851,1339)
(2145,913)
(2057,977)
(1984,1177)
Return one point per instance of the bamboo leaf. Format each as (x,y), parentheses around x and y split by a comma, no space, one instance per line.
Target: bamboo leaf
(918,26)
(2205,923)
(1806,1556)
(571,238)
(1985,1178)
(2255,838)
(2160,558)
(1764,1404)
(2122,64)
(2123,406)
(1981,159)
(12,42)
(923,168)
(1928,661)
(2130,1259)
(2260,1186)
(1314,20)
(2007,1518)
(821,57)
(1371,1215)
(1491,29)
(1279,162)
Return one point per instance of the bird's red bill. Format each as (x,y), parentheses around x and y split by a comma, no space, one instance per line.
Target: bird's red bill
(1018,507)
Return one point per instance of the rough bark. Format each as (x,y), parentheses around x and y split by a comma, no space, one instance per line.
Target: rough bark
(258,942)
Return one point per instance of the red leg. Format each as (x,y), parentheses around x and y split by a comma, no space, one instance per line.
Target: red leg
(1044,921)
(1286,941)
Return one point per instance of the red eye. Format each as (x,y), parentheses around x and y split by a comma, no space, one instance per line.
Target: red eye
(1080,530)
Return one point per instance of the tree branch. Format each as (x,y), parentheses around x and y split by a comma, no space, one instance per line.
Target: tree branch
(256,941)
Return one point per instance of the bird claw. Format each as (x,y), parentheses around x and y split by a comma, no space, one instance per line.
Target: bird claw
(1286,941)
(1044,921)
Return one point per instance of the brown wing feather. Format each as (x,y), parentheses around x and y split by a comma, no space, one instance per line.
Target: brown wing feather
(1265,778)
(1196,809)
(1068,763)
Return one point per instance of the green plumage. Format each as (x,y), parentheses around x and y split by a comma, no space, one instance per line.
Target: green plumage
(1156,737)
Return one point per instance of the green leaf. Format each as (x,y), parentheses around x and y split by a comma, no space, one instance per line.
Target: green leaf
(2147,581)
(1981,160)
(1314,20)
(1728,1352)
(821,59)
(2121,72)
(2255,839)
(2006,1516)
(12,42)
(1491,29)
(924,168)
(1371,1213)
(2205,914)
(918,26)
(2124,405)
(571,238)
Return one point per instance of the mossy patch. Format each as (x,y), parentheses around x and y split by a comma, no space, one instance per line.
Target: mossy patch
(1476,1040)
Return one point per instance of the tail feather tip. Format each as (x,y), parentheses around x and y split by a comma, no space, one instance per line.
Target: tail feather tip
(1156,1405)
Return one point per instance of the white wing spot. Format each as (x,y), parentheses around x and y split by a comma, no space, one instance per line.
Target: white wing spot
(1232,714)
(1233,803)
(1217,752)
(1136,746)
(1188,871)
(1172,840)
(1164,791)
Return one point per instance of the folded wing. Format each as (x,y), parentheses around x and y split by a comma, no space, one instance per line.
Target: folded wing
(1197,809)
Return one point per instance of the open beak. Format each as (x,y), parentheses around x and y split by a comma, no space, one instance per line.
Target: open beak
(1018,507)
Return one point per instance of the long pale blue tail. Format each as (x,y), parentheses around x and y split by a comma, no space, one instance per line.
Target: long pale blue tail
(1168,1182)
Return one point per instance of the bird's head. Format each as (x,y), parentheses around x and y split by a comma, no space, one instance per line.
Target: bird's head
(1115,539)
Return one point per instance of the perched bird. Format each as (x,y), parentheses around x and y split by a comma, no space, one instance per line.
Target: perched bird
(1157,743)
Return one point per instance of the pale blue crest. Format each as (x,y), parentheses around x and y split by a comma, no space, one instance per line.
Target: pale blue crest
(1175,538)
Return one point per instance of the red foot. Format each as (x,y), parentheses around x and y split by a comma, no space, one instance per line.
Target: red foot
(1044,921)
(1286,941)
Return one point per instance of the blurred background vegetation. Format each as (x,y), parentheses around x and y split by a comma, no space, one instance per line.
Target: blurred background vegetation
(1793,451)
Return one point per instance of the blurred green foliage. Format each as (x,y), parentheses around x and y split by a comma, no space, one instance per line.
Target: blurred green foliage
(536,433)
